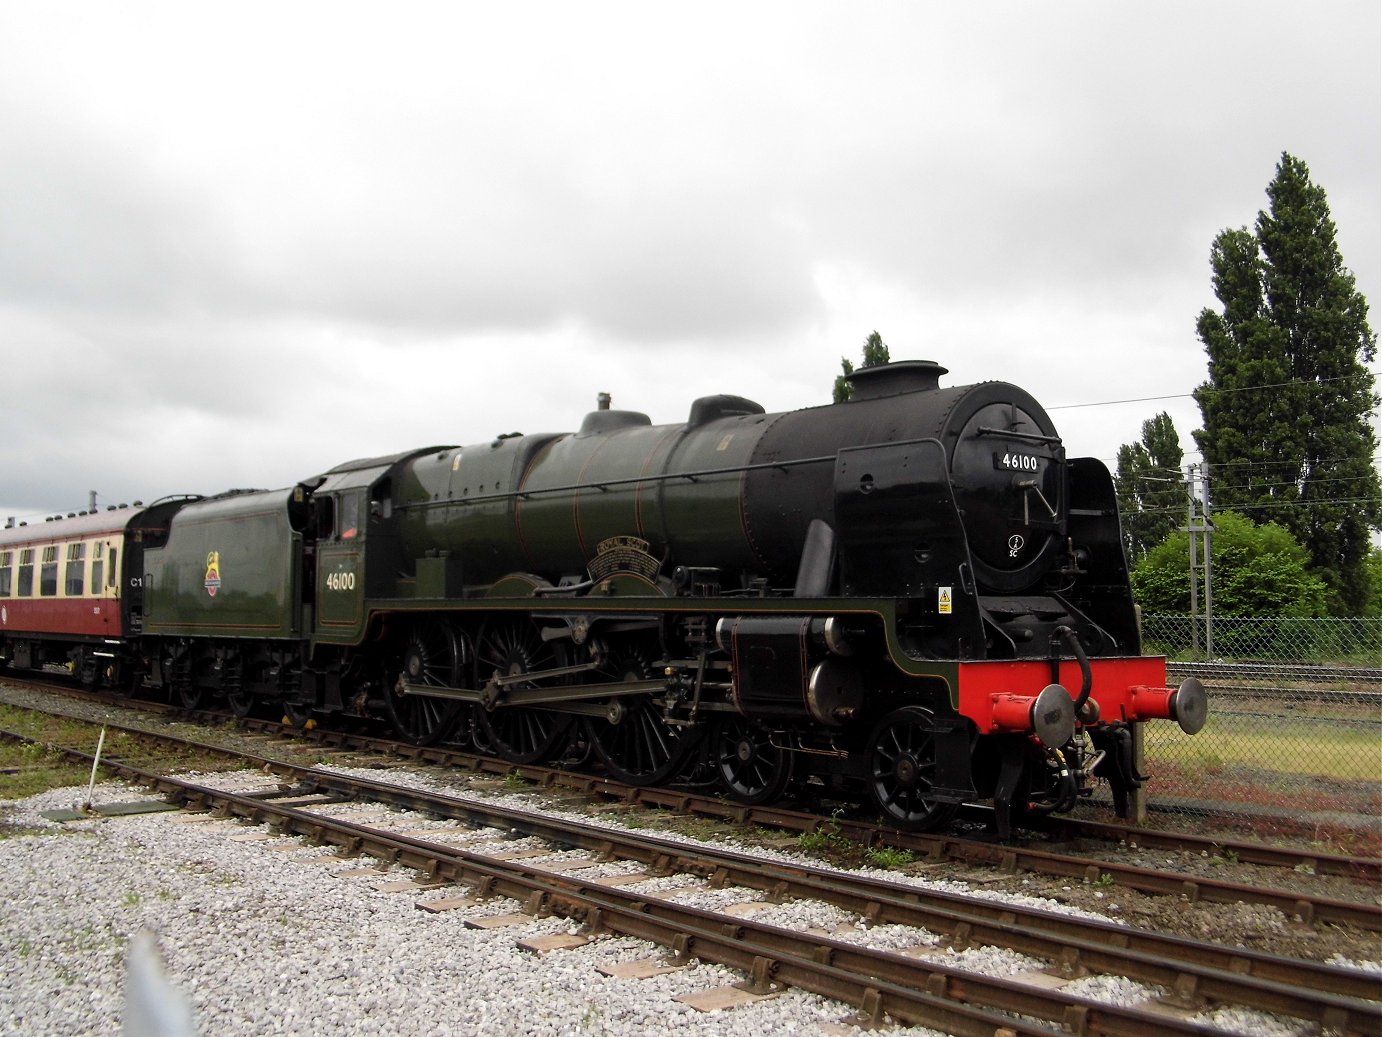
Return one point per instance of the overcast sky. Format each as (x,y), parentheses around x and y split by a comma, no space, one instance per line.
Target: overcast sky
(240,244)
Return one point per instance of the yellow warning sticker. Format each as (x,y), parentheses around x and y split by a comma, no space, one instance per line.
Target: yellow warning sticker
(943,600)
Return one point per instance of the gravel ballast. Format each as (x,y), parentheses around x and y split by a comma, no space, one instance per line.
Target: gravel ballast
(270,937)
(262,941)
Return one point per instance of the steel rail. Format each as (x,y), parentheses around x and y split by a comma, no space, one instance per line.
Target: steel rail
(1332,997)
(1231,974)
(948,846)
(879,983)
(1367,869)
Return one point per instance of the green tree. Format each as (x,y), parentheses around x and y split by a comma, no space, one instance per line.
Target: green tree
(875,353)
(1259,571)
(1373,609)
(1286,430)
(1151,488)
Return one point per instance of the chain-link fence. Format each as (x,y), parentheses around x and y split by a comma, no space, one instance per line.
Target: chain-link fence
(1294,740)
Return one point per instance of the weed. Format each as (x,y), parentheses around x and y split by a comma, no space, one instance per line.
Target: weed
(826,838)
(1104,880)
(889,857)
(515,782)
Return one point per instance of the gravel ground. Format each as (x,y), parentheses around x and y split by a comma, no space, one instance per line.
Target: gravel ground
(267,942)
(260,941)
(264,942)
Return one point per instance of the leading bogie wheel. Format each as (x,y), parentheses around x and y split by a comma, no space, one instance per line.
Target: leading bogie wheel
(752,768)
(902,771)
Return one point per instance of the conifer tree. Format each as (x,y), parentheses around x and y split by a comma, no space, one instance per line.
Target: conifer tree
(875,353)
(1150,486)
(1286,408)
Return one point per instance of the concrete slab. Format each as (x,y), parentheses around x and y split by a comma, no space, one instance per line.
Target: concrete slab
(132,808)
(555,942)
(719,999)
(407,886)
(498,921)
(644,968)
(443,904)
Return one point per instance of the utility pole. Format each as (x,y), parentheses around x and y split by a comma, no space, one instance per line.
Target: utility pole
(1204,527)
(1194,561)
(1208,565)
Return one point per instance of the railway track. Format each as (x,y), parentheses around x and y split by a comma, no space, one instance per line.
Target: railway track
(1285,683)
(879,982)
(980,851)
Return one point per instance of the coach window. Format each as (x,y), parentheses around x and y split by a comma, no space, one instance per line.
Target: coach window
(75,576)
(113,580)
(98,566)
(26,573)
(6,574)
(48,573)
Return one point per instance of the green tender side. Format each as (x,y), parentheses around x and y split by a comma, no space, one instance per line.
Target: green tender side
(230,569)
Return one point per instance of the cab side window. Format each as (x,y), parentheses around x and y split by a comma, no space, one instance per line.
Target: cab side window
(351,507)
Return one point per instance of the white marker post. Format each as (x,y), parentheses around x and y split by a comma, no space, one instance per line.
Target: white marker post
(100,743)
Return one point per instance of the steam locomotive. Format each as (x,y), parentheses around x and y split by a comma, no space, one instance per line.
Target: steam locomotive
(912,598)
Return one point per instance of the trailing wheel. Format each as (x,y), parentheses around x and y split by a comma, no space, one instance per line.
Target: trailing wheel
(435,655)
(519,734)
(750,767)
(902,771)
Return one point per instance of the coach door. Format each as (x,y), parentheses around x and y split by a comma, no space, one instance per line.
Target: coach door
(340,580)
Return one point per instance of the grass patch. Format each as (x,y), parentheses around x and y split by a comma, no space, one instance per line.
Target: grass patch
(27,768)
(1287,747)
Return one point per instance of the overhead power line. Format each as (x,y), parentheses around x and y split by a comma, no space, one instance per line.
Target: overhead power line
(1189,395)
